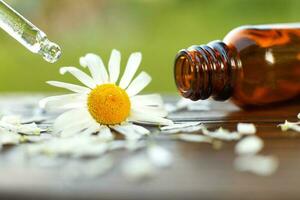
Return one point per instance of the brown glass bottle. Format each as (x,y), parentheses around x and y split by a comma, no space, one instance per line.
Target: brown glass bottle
(254,65)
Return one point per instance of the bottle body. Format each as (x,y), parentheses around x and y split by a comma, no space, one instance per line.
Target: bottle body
(262,64)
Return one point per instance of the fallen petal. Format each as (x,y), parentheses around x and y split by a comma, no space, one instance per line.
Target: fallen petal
(138,168)
(246,128)
(222,134)
(249,145)
(257,164)
(159,156)
(193,138)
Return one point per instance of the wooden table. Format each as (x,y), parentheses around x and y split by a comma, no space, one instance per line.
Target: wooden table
(198,172)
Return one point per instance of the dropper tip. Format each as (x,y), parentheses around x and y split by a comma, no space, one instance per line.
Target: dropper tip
(50,51)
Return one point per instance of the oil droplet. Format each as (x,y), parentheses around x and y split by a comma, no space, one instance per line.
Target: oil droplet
(50,51)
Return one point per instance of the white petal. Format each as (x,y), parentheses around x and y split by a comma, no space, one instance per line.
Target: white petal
(126,144)
(79,125)
(93,128)
(96,67)
(63,101)
(193,138)
(192,105)
(114,66)
(147,100)
(290,126)
(138,168)
(91,168)
(29,129)
(198,107)
(149,110)
(75,127)
(159,156)
(186,127)
(222,134)
(12,119)
(105,134)
(143,118)
(80,75)
(257,164)
(170,107)
(117,145)
(9,138)
(38,138)
(128,131)
(131,68)
(91,150)
(180,125)
(246,128)
(69,117)
(138,84)
(249,145)
(76,146)
(71,87)
(139,129)
(26,129)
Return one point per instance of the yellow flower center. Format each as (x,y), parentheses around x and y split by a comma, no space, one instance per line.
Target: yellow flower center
(109,104)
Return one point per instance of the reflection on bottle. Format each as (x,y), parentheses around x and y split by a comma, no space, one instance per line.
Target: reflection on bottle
(27,34)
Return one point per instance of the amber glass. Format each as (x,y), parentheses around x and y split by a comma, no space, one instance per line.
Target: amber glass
(254,65)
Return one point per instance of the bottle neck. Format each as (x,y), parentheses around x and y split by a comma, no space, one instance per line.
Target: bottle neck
(207,70)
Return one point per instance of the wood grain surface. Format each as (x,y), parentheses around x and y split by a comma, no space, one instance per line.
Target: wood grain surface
(199,171)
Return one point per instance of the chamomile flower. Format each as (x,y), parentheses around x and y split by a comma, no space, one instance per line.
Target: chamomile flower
(102,105)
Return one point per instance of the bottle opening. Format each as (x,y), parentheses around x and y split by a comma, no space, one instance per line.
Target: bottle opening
(184,73)
(206,70)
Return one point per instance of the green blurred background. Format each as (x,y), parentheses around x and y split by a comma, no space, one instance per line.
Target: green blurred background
(157,28)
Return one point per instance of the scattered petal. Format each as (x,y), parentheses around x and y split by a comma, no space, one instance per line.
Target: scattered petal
(26,129)
(257,164)
(89,169)
(151,119)
(11,119)
(187,127)
(131,145)
(9,138)
(150,110)
(170,107)
(138,168)
(190,129)
(148,100)
(128,131)
(295,126)
(190,105)
(37,138)
(246,128)
(222,134)
(77,146)
(249,145)
(159,156)
(193,138)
